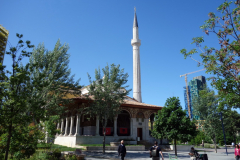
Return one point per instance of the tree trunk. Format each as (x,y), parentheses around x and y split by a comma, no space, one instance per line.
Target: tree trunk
(215,145)
(175,145)
(8,140)
(104,131)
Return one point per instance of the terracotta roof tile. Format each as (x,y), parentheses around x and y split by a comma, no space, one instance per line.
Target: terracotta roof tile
(131,102)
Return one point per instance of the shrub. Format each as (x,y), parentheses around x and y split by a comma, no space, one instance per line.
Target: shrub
(207,146)
(71,157)
(51,157)
(57,153)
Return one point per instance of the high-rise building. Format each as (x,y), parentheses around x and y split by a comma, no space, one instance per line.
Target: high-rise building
(3,42)
(193,90)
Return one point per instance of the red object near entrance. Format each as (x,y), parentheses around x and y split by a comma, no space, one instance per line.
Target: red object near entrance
(123,131)
(108,131)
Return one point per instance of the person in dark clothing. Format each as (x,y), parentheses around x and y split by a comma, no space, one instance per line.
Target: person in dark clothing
(158,150)
(194,154)
(122,150)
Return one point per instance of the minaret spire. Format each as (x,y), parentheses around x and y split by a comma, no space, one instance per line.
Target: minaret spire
(136,42)
(135,23)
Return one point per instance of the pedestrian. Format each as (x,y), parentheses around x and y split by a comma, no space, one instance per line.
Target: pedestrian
(122,150)
(233,144)
(194,154)
(237,152)
(154,152)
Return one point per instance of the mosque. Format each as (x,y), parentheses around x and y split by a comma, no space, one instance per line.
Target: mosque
(134,123)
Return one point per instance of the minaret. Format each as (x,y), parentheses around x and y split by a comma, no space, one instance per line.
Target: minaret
(136,42)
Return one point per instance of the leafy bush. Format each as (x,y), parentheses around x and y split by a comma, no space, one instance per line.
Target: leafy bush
(51,157)
(207,146)
(71,157)
(57,153)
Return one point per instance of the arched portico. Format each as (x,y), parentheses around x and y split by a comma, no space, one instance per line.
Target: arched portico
(124,124)
(150,124)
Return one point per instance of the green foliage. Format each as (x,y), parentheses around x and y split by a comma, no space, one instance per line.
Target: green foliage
(199,137)
(231,121)
(223,62)
(15,115)
(172,123)
(51,81)
(50,126)
(50,148)
(71,157)
(206,107)
(32,93)
(108,93)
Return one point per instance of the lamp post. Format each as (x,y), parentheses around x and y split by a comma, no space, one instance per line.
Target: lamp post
(224,133)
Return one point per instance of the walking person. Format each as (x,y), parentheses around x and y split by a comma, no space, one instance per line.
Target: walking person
(237,152)
(122,150)
(154,152)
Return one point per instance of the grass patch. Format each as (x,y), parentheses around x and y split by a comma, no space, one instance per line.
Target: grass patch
(182,144)
(100,145)
(93,145)
(55,146)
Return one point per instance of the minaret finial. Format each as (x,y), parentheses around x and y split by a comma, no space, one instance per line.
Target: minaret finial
(135,23)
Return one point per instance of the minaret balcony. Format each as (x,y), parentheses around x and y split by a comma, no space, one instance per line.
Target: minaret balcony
(136,42)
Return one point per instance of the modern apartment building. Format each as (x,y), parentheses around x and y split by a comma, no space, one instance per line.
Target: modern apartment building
(3,42)
(193,90)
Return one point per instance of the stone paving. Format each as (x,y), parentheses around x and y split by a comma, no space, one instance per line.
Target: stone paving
(144,155)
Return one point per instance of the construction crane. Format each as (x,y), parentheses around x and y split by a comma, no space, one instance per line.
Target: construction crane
(189,110)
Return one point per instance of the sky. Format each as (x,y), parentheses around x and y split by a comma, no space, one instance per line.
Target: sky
(99,32)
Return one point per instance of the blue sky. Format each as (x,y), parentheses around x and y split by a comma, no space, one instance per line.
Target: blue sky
(100,32)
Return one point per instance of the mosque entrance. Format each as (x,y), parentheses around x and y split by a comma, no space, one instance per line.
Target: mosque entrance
(139,133)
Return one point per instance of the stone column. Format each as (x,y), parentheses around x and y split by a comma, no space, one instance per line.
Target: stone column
(115,127)
(97,126)
(78,125)
(131,126)
(62,125)
(134,128)
(58,124)
(147,128)
(71,125)
(66,126)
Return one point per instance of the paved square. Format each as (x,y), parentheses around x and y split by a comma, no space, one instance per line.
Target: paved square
(144,155)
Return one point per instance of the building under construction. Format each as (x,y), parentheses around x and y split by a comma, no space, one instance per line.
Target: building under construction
(193,91)
(3,42)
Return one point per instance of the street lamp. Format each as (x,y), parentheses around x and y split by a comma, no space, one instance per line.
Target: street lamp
(223,133)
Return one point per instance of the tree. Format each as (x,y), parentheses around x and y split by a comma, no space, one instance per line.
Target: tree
(199,137)
(33,93)
(172,123)
(231,120)
(14,93)
(223,62)
(50,81)
(108,93)
(206,107)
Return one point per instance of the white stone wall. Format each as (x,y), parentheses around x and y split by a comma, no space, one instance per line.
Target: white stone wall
(69,141)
